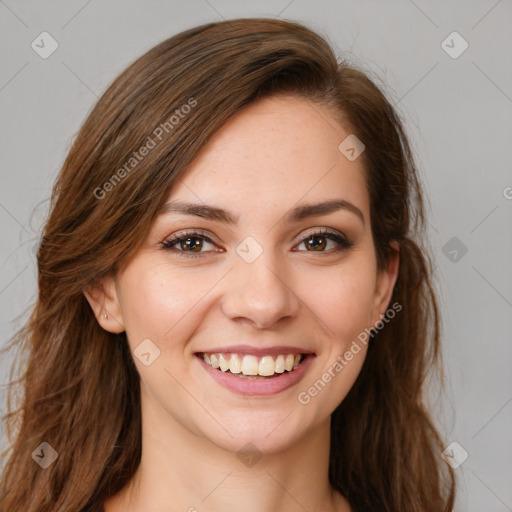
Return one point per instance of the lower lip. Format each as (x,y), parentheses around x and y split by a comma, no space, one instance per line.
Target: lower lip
(258,387)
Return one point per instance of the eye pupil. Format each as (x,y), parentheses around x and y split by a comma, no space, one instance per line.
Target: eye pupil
(317,246)
(189,244)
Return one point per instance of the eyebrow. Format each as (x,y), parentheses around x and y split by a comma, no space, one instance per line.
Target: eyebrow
(297,214)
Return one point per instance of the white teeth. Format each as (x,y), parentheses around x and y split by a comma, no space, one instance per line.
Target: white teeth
(214,361)
(224,365)
(234,364)
(250,365)
(266,366)
(279,364)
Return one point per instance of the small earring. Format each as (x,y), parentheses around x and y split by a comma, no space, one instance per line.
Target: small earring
(104,316)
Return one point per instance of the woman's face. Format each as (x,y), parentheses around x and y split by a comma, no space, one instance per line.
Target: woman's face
(276,279)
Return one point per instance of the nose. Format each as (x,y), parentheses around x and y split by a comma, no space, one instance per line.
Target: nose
(259,293)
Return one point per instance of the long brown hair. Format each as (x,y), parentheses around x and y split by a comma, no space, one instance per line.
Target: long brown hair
(79,385)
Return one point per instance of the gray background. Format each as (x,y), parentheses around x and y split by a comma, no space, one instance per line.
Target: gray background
(458,113)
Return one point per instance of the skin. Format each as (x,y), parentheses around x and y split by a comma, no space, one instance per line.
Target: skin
(273,155)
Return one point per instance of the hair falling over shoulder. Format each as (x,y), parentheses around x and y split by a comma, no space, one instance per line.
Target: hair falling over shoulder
(77,388)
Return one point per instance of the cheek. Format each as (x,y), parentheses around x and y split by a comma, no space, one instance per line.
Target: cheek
(342,302)
(342,299)
(160,304)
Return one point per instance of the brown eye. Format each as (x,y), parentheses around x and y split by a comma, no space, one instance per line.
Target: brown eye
(319,242)
(316,243)
(188,243)
(191,244)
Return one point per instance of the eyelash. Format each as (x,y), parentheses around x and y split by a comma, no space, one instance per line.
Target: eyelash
(168,244)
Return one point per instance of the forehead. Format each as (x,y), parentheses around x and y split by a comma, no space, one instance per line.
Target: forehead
(274,153)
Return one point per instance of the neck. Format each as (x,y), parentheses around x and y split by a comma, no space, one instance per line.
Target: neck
(188,472)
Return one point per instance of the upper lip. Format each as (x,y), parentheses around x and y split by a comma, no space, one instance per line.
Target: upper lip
(257,351)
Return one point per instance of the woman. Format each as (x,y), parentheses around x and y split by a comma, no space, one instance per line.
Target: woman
(235,307)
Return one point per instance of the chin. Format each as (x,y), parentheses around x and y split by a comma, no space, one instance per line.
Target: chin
(265,437)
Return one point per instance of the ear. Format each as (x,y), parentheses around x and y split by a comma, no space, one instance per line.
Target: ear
(103,297)
(385,284)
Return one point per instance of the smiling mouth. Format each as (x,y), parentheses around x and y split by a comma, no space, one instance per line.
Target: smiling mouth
(253,367)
